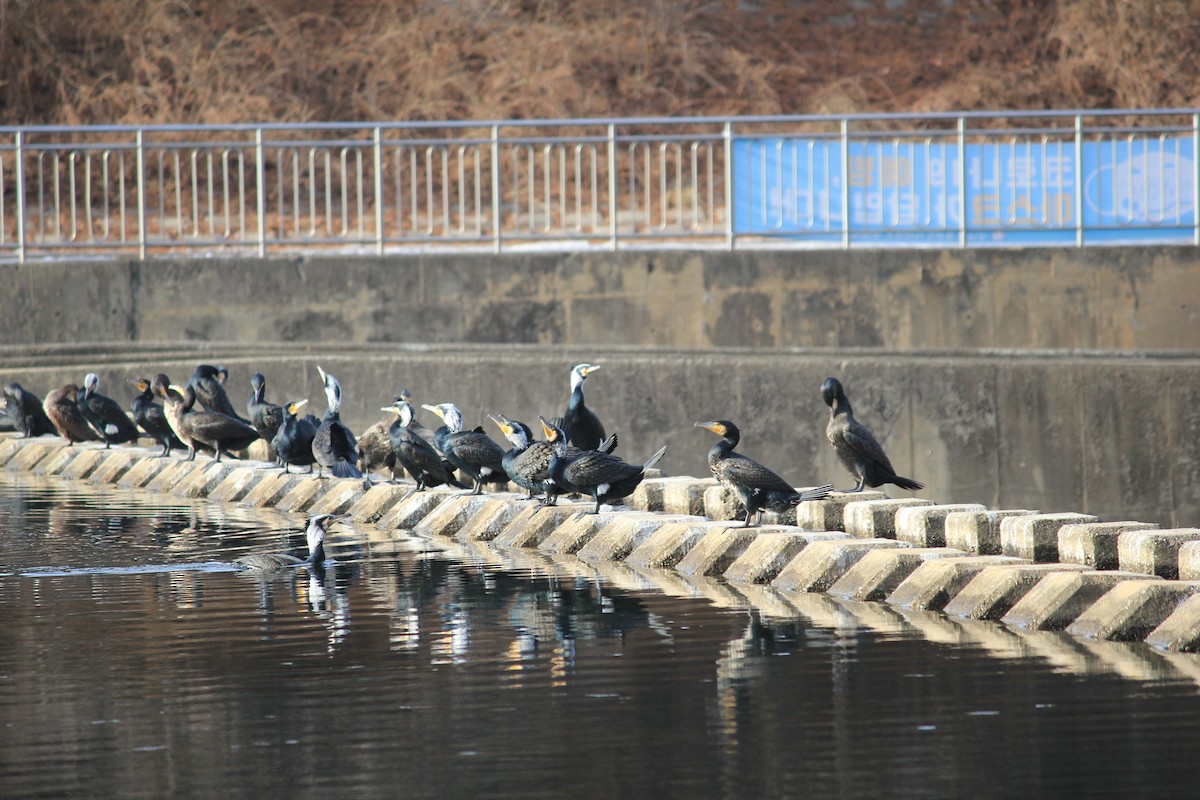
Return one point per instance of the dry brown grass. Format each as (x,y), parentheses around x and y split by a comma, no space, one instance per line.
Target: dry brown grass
(220,61)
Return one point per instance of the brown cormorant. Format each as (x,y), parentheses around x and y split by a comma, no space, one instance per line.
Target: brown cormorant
(527,462)
(580,423)
(105,415)
(62,411)
(758,487)
(202,429)
(473,452)
(375,445)
(315,533)
(293,441)
(856,447)
(601,475)
(25,410)
(151,417)
(209,385)
(335,446)
(416,455)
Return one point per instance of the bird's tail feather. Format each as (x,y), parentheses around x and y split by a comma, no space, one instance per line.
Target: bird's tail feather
(344,469)
(654,459)
(816,493)
(907,483)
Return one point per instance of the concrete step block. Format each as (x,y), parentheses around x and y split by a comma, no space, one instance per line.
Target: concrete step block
(56,462)
(648,496)
(339,497)
(717,551)
(667,546)
(114,465)
(166,479)
(935,583)
(723,503)
(1189,561)
(237,484)
(1060,597)
(12,442)
(1180,631)
(772,550)
(576,531)
(819,565)
(493,517)
(29,454)
(979,531)
(408,512)
(271,488)
(203,480)
(686,495)
(376,502)
(304,494)
(449,516)
(626,531)
(534,524)
(1154,552)
(879,572)
(1035,537)
(1129,611)
(144,471)
(876,519)
(925,525)
(826,514)
(82,466)
(1094,544)
(995,590)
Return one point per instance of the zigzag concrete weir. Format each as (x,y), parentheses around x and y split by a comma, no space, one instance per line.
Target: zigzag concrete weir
(1066,586)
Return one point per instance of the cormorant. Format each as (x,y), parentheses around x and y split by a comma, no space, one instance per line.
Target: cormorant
(528,461)
(758,487)
(335,446)
(151,417)
(25,410)
(473,452)
(375,445)
(416,455)
(208,383)
(196,429)
(293,441)
(104,414)
(264,417)
(580,423)
(856,447)
(317,528)
(60,407)
(603,476)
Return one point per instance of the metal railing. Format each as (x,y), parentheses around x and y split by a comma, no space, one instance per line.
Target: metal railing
(960,180)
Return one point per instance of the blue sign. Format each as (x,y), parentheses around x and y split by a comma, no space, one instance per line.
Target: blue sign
(1015,192)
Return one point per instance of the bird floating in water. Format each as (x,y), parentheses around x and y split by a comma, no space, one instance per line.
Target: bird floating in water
(315,533)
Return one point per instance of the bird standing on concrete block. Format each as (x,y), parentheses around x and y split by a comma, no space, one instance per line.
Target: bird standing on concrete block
(856,447)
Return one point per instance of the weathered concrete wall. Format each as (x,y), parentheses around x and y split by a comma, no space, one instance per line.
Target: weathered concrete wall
(1115,436)
(1109,299)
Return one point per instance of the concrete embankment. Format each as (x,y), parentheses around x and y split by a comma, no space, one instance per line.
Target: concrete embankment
(1097,580)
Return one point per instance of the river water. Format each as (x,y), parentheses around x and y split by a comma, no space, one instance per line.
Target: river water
(135,663)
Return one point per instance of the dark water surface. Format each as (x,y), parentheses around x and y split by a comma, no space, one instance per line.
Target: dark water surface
(133,663)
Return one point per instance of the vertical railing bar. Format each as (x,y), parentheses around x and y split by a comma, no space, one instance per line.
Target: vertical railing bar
(360,193)
(446,225)
(398,191)
(87,194)
(19,147)
(377,135)
(461,228)
(260,192)
(612,186)
(497,188)
(241,195)
(71,159)
(178,196)
(1079,180)
(845,178)
(141,194)
(104,159)
(478,190)
(343,164)
(195,196)
(962,182)
(1196,179)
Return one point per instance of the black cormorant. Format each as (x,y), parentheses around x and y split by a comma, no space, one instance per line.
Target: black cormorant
(264,417)
(62,410)
(527,462)
(202,429)
(415,454)
(209,385)
(601,475)
(25,410)
(473,452)
(151,417)
(106,416)
(580,423)
(335,446)
(293,441)
(758,487)
(315,533)
(856,447)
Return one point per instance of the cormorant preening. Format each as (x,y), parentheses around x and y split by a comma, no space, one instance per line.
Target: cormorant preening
(335,446)
(208,382)
(25,410)
(856,447)
(758,487)
(375,445)
(63,412)
(293,441)
(105,415)
(416,455)
(201,429)
(151,417)
(528,461)
(582,426)
(317,527)
(473,452)
(592,472)
(264,417)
